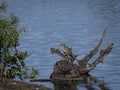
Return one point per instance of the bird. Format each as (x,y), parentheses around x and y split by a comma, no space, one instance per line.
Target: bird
(67,51)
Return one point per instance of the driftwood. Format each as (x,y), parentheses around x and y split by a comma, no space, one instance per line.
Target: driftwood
(65,69)
(84,61)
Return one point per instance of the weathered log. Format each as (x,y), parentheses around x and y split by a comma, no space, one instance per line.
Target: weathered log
(60,80)
(41,80)
(65,69)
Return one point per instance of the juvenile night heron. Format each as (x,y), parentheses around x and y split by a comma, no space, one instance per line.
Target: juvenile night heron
(66,49)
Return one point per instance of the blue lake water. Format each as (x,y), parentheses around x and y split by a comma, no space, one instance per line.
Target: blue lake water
(79,24)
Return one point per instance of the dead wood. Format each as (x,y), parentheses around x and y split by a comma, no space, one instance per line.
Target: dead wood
(65,69)
(70,57)
(57,51)
(83,62)
(99,59)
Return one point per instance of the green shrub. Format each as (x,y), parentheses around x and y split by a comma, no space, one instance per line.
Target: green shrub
(12,63)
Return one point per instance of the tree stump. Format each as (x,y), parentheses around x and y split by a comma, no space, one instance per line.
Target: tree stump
(65,69)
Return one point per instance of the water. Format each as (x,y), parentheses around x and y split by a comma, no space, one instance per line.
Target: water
(78,23)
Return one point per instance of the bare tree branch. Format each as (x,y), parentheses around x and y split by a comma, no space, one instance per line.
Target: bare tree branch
(83,62)
(57,51)
(100,58)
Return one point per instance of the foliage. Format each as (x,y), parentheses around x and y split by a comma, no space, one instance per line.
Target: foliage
(11,59)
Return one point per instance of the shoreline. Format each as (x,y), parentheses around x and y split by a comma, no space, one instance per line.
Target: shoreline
(9,84)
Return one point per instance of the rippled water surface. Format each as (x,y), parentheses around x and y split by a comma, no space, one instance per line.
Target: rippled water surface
(78,23)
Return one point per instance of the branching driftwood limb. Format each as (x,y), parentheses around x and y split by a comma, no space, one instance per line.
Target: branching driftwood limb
(100,58)
(83,62)
(66,69)
(103,53)
(57,51)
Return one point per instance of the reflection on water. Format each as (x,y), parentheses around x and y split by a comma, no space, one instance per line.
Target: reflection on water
(87,83)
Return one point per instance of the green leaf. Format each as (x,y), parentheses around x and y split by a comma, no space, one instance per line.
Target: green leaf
(10,34)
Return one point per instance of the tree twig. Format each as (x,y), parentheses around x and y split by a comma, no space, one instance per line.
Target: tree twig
(57,51)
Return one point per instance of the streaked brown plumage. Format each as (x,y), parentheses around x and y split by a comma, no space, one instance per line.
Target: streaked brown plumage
(66,49)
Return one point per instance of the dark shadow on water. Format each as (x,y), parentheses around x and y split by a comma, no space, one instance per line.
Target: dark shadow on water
(87,83)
